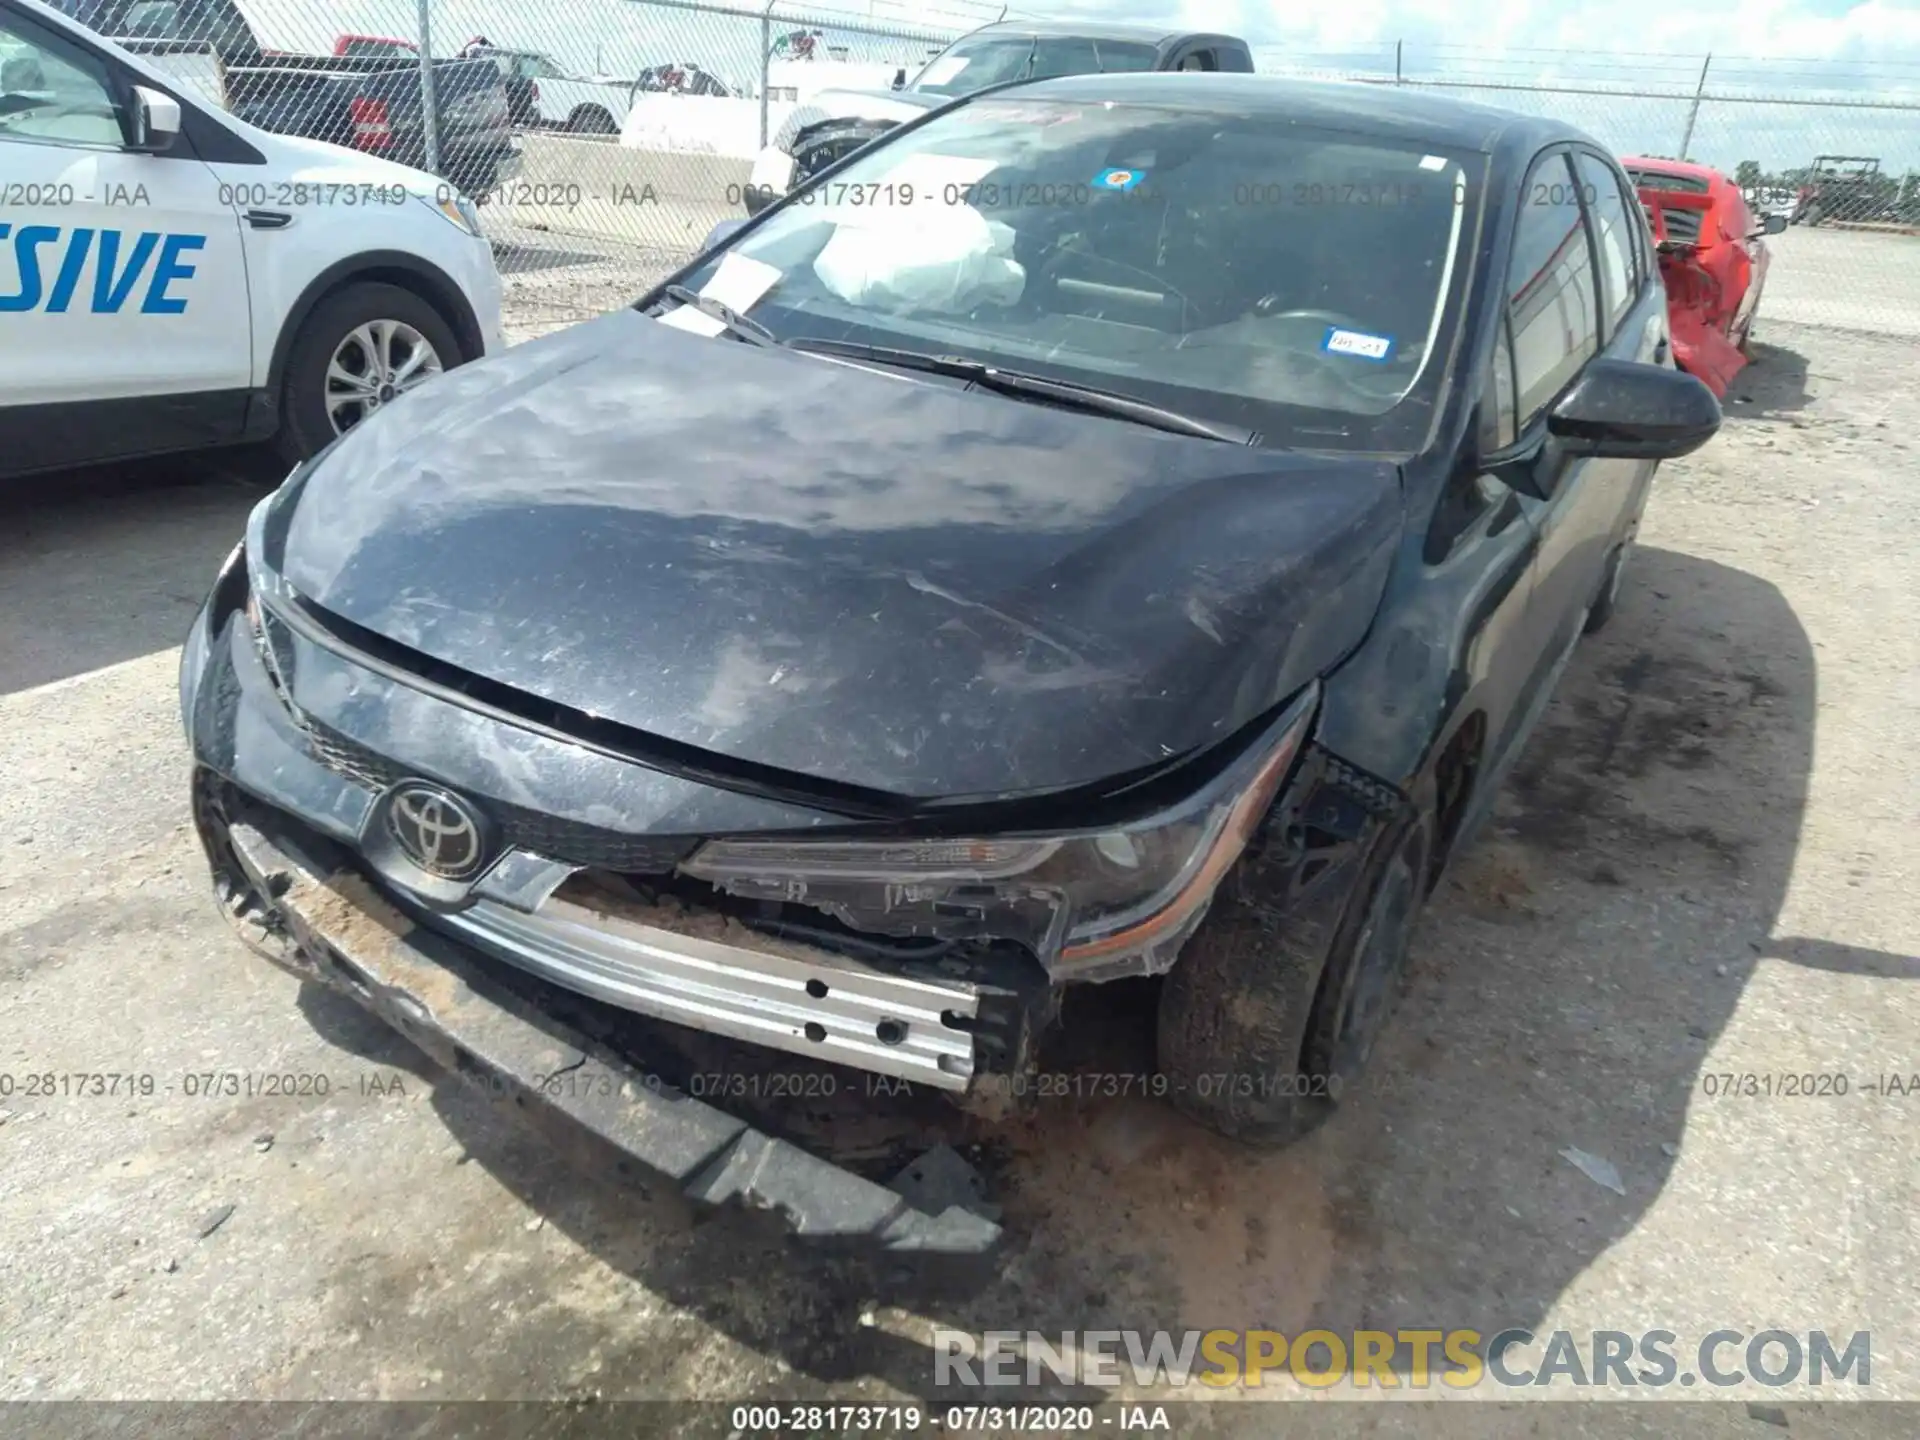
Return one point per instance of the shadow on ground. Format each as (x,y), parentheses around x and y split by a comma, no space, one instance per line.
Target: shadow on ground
(102,565)
(1572,972)
(514,258)
(1772,386)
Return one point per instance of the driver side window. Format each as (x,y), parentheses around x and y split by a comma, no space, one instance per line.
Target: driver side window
(53,92)
(1552,303)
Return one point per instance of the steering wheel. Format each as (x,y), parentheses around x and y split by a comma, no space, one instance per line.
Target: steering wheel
(1264,309)
(1362,379)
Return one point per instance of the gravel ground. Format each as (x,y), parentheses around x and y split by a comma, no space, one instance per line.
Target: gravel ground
(1707,864)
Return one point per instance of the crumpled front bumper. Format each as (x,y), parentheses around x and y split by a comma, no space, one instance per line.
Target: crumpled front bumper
(299,902)
(279,842)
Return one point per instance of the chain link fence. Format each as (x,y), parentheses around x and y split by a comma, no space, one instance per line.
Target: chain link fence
(1833,148)
(605,138)
(590,219)
(601,139)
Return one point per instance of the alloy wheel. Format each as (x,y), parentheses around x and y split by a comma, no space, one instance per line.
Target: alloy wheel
(374,365)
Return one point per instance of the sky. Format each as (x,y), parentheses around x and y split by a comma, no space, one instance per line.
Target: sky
(1765,51)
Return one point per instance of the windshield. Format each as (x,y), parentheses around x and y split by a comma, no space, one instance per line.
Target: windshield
(975,62)
(1238,267)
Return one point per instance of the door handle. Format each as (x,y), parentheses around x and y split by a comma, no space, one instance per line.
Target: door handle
(269,219)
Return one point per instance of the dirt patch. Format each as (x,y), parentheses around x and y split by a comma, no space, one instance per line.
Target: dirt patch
(604,897)
(1193,1230)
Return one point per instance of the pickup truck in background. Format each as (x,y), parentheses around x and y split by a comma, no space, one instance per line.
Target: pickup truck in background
(359,45)
(191,63)
(556,99)
(372,103)
(835,123)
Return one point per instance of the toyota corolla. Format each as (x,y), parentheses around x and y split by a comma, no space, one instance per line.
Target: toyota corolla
(1116,526)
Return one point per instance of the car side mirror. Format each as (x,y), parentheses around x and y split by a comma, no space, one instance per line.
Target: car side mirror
(1774,225)
(156,120)
(900,78)
(1626,410)
(1616,410)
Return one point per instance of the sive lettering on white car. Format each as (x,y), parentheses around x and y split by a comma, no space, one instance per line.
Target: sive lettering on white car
(117,269)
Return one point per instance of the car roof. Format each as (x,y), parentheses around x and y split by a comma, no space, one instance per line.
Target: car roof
(1383,111)
(1089,29)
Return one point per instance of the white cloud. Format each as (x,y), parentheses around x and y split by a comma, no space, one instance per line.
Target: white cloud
(1770,48)
(1776,50)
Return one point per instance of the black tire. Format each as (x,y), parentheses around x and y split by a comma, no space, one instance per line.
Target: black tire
(591,120)
(1609,596)
(305,426)
(1257,1038)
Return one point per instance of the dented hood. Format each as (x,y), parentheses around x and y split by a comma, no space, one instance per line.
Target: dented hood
(874,579)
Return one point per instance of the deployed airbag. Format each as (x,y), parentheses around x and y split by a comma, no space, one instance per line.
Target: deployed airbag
(947,259)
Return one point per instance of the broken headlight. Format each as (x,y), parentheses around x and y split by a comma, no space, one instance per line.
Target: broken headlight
(1092,905)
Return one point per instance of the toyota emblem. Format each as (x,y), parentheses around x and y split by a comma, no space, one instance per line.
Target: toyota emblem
(436,830)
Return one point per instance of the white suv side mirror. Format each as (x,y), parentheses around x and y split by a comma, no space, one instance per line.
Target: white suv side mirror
(156,120)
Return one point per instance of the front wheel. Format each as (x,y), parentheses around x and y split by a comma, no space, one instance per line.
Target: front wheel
(1258,1037)
(361,349)
(590,120)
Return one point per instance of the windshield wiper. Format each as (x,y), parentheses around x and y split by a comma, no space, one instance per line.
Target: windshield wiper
(752,331)
(1023,386)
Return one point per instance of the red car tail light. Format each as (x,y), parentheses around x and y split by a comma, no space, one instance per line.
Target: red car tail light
(371,128)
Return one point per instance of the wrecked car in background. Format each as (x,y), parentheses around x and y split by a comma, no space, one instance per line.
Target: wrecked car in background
(1050,648)
(834,123)
(1713,261)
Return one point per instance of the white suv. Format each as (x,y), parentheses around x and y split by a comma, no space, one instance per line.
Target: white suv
(171,277)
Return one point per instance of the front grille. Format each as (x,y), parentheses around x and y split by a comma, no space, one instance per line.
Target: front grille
(532,830)
(579,844)
(828,143)
(352,759)
(1683,226)
(805,167)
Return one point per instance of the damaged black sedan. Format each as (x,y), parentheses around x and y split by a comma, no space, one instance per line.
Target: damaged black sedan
(1116,526)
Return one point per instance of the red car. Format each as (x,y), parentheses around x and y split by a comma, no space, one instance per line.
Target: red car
(1713,258)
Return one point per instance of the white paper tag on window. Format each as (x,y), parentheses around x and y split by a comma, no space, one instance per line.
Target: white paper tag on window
(696,321)
(1433,162)
(740,282)
(1357,343)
